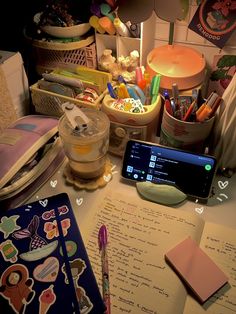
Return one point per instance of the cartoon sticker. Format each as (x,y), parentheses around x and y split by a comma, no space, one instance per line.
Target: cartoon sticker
(46,299)
(48,271)
(51,228)
(71,248)
(9,251)
(16,287)
(51,213)
(39,248)
(77,268)
(8,225)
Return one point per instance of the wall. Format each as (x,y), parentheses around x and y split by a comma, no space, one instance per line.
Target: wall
(185,36)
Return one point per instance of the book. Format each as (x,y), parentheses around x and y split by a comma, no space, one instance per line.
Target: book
(44,266)
(140,234)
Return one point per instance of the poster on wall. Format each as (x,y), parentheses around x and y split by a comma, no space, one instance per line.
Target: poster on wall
(223,70)
(215,20)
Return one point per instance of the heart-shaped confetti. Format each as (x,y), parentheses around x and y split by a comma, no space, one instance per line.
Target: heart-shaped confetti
(107,178)
(199,210)
(43,202)
(48,271)
(222,185)
(53,183)
(79,201)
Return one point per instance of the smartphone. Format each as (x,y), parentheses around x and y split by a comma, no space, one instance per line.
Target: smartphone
(192,173)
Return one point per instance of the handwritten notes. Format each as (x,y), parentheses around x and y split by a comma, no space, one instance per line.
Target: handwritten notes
(139,235)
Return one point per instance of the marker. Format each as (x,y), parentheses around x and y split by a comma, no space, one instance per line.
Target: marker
(102,243)
(155,86)
(189,111)
(111,90)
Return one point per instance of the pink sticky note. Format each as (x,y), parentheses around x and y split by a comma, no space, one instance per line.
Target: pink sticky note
(196,268)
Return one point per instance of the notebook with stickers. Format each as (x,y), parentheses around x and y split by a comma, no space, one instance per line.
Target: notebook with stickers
(44,267)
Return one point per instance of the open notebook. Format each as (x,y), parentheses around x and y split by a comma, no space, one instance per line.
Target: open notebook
(44,266)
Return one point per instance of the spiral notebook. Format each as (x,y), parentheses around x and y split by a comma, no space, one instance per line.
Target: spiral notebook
(44,266)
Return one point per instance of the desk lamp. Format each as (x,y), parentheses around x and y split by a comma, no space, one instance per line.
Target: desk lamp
(176,63)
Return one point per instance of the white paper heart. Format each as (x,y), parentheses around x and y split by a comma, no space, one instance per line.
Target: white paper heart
(199,210)
(43,202)
(79,201)
(53,183)
(222,185)
(107,178)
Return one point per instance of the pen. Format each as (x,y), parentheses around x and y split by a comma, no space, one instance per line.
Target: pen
(189,111)
(102,243)
(111,90)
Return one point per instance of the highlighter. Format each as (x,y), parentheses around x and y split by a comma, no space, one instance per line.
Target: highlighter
(202,114)
(107,24)
(94,22)
(111,90)
(122,91)
(155,85)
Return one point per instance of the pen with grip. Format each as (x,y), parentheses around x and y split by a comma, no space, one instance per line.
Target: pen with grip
(102,242)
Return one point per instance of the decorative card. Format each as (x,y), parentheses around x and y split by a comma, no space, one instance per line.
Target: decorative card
(44,267)
(215,20)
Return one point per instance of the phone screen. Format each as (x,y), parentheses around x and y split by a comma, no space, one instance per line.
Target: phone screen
(192,173)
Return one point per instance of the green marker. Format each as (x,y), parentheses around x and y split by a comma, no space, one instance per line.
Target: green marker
(155,86)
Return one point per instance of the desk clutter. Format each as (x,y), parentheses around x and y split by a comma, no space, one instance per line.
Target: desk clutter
(106,92)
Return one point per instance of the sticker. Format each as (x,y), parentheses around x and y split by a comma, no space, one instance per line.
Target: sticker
(38,248)
(220,197)
(107,178)
(48,271)
(46,299)
(16,287)
(9,251)
(71,248)
(8,225)
(39,253)
(85,305)
(51,213)
(77,267)
(51,228)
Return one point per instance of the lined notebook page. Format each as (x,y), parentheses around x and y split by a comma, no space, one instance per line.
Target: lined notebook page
(219,243)
(139,234)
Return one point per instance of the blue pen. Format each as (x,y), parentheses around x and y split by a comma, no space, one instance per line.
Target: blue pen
(111,90)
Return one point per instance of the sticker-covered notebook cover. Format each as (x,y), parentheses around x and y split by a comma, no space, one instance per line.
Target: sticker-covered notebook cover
(44,267)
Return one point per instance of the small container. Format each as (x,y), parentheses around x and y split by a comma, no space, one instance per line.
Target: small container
(186,135)
(86,149)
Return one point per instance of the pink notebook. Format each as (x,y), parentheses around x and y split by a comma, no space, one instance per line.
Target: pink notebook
(196,268)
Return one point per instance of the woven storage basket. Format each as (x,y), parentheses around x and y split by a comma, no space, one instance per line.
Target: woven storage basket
(51,55)
(50,103)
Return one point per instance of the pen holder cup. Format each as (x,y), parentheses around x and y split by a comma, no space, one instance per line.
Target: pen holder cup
(190,136)
(127,125)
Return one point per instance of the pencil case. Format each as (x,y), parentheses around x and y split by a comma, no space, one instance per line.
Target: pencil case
(30,152)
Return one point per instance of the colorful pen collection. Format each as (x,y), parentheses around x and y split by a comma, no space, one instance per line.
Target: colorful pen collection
(145,92)
(191,108)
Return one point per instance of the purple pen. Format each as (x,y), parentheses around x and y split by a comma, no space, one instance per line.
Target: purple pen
(102,243)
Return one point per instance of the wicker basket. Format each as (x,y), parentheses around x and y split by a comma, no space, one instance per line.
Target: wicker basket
(49,55)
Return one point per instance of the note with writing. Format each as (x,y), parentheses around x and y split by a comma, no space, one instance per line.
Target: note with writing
(140,233)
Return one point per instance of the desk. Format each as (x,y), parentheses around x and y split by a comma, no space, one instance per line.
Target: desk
(125,265)
(219,209)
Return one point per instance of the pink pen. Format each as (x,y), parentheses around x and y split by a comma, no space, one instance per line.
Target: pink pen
(102,243)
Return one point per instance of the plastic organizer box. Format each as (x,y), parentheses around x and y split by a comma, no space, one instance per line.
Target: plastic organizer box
(49,103)
(51,55)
